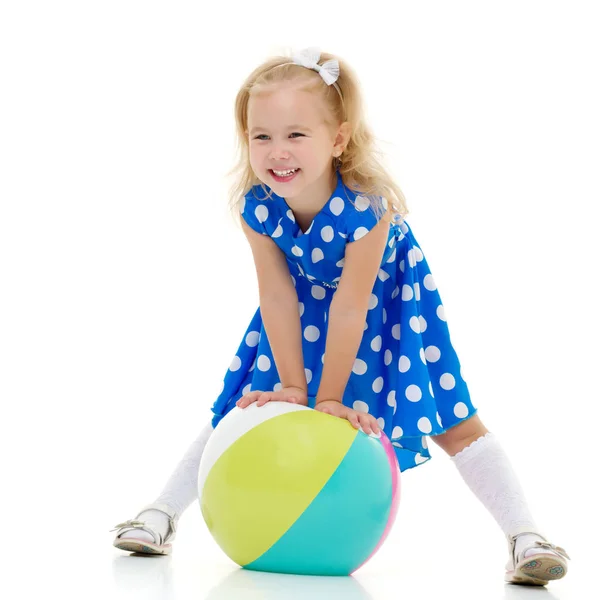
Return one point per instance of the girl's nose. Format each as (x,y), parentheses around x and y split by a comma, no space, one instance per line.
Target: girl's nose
(279,152)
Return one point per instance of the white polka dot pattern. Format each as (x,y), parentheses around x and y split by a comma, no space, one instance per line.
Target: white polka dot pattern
(336,205)
(262,213)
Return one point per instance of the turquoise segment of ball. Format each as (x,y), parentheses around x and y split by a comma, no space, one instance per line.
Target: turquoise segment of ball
(342,526)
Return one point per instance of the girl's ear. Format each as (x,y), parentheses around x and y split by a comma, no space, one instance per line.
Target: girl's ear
(342,138)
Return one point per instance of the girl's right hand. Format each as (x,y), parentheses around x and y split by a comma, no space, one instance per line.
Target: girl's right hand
(288,394)
(357,418)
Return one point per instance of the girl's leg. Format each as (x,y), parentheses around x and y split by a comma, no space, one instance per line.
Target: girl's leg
(182,487)
(179,492)
(486,469)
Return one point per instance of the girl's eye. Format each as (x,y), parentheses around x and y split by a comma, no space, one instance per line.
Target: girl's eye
(263,135)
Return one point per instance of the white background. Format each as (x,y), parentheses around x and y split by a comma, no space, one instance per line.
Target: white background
(125,287)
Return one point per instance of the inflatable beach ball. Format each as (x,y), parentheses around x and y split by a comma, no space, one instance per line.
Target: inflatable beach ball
(288,489)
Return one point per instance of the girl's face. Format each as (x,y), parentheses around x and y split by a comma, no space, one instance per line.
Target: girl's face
(286,130)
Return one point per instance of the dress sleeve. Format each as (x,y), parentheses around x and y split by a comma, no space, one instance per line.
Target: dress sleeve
(255,212)
(361,216)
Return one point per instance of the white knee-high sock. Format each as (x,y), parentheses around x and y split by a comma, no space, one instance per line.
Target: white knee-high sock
(182,487)
(486,469)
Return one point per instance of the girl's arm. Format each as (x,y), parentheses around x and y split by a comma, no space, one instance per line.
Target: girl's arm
(278,308)
(347,314)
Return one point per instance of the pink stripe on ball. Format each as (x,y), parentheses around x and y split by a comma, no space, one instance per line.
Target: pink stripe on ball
(395,469)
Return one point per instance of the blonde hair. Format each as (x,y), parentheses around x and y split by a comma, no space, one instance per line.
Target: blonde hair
(360,164)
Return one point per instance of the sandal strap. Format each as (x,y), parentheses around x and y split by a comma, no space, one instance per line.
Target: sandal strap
(554,548)
(131,524)
(173,517)
(138,524)
(163,508)
(542,544)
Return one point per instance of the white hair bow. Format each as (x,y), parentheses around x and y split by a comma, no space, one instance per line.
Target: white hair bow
(309,58)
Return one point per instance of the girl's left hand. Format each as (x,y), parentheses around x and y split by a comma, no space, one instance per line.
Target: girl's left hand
(287,394)
(358,419)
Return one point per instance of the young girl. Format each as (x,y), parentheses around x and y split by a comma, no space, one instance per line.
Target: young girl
(350,320)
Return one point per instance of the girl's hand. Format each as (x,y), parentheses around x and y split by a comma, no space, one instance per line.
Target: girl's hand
(287,394)
(357,418)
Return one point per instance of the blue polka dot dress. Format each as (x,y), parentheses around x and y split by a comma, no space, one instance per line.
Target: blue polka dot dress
(406,373)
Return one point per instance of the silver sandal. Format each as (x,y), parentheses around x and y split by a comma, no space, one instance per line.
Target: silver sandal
(160,545)
(536,569)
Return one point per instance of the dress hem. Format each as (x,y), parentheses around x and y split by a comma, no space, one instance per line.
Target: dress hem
(423,454)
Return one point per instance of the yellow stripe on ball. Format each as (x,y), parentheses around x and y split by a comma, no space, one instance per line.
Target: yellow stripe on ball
(266,479)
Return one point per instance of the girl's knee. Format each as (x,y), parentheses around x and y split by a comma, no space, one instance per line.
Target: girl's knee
(460,436)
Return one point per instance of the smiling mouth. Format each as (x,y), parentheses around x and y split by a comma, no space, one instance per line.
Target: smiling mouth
(285,173)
